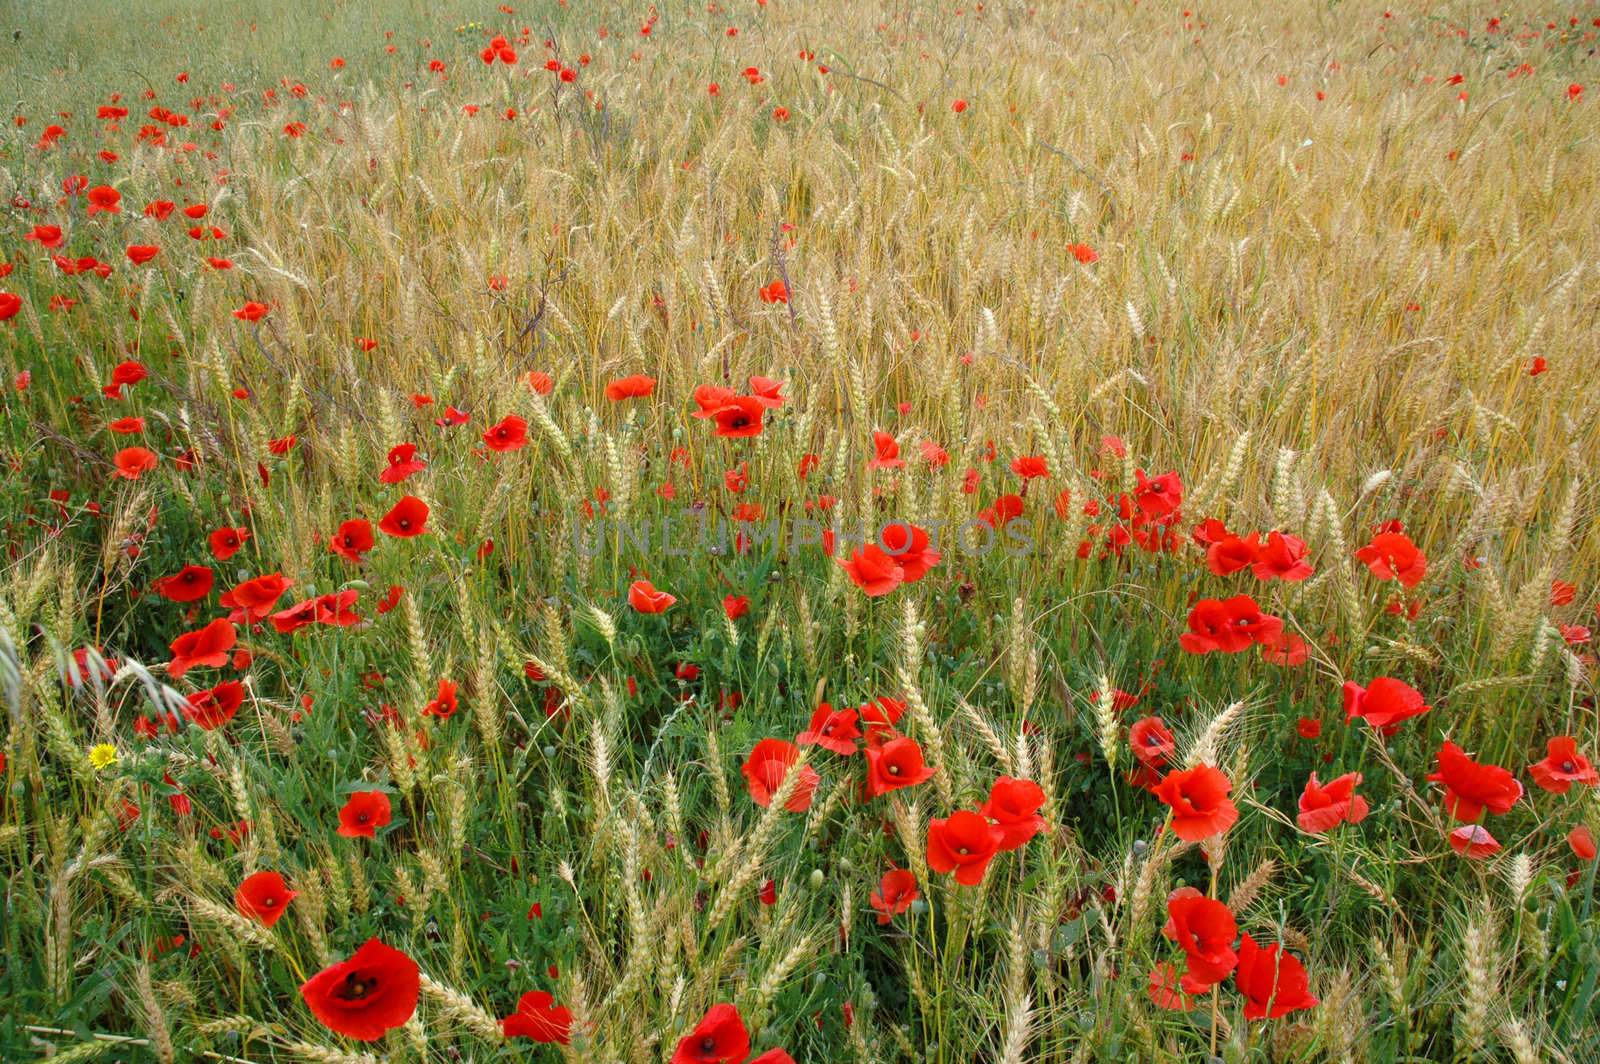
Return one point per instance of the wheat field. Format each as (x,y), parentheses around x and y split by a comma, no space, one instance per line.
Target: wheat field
(779,531)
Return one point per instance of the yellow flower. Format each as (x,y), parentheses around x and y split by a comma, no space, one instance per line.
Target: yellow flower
(102,755)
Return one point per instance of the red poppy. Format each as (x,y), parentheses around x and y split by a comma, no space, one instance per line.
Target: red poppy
(215,706)
(1471,786)
(252,311)
(1164,992)
(885,452)
(896,891)
(208,646)
(225,542)
(1153,744)
(407,518)
(1029,467)
(1228,555)
(104,198)
(1158,497)
(1473,841)
(776,292)
(134,462)
(1273,982)
(443,705)
(1229,626)
(139,254)
(1581,839)
(643,596)
(1392,556)
(711,398)
(366,996)
(1014,807)
(1384,703)
(1204,929)
(719,1038)
(1199,801)
(895,764)
(509,434)
(637,386)
(252,600)
(831,729)
(46,236)
(263,898)
(352,540)
(873,571)
(364,812)
(10,305)
(880,716)
(769,765)
(963,843)
(740,418)
(539,1017)
(1324,806)
(735,606)
(403,463)
(126,426)
(1563,766)
(767,392)
(908,546)
(1282,557)
(189,584)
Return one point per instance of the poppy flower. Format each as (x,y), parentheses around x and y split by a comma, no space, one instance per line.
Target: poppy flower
(768,766)
(1383,704)
(963,843)
(46,236)
(134,462)
(637,386)
(139,254)
(1324,806)
(711,398)
(225,542)
(643,596)
(885,452)
(1228,626)
(1164,989)
(10,305)
(403,463)
(1563,766)
(776,292)
(1014,807)
(1473,841)
(407,518)
(1205,930)
(126,426)
(719,1038)
(255,598)
(767,392)
(1229,554)
(1274,983)
(831,729)
(1392,556)
(908,546)
(443,705)
(539,1017)
(212,708)
(189,584)
(1029,467)
(873,571)
(1153,743)
(509,434)
(1199,801)
(352,540)
(1158,497)
(263,898)
(740,418)
(1286,649)
(896,891)
(1581,839)
(1282,557)
(735,606)
(881,715)
(209,646)
(1471,786)
(895,764)
(104,198)
(252,311)
(366,996)
(364,812)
